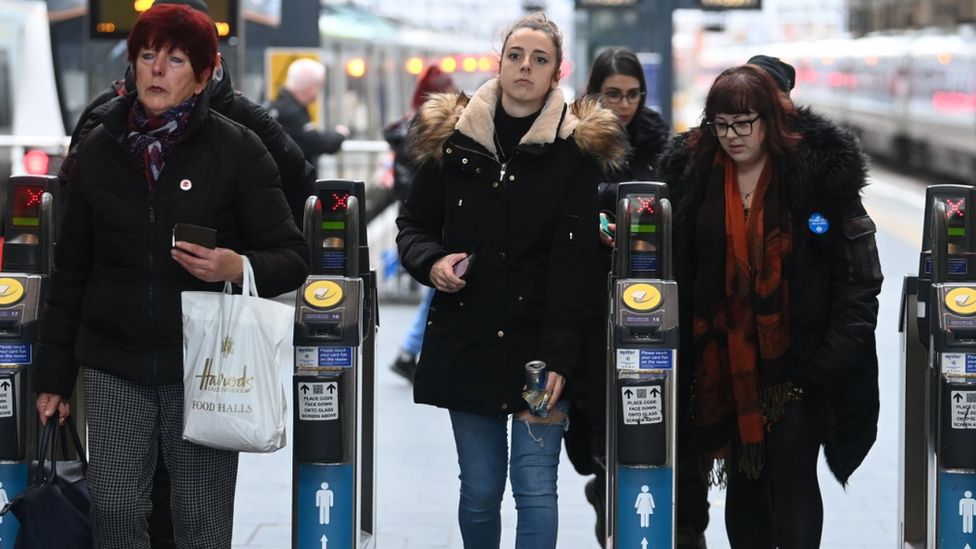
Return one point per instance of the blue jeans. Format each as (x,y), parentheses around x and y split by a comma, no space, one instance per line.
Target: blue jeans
(415,337)
(483,458)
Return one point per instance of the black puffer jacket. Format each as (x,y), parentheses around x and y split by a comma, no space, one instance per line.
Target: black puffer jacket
(530,227)
(834,280)
(114,299)
(297,175)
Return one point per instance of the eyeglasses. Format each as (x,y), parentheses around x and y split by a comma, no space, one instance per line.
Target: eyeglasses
(741,128)
(616,96)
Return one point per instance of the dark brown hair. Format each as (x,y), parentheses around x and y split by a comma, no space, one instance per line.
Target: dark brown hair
(537,21)
(744,89)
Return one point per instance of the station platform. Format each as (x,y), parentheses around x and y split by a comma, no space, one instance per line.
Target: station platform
(417,486)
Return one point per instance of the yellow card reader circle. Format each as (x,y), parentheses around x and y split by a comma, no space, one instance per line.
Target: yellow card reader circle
(11,290)
(961,301)
(642,297)
(323,294)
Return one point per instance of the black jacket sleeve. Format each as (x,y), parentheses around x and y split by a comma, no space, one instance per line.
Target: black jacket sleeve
(54,367)
(421,224)
(855,282)
(276,248)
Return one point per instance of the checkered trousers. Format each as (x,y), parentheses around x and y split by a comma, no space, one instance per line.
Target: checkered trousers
(127,425)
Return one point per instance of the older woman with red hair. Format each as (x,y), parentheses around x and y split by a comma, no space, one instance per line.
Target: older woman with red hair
(159,157)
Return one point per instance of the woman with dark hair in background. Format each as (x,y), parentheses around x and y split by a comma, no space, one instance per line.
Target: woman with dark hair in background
(779,275)
(158,157)
(508,176)
(617,80)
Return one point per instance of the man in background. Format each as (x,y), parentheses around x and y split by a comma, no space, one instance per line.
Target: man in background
(303,84)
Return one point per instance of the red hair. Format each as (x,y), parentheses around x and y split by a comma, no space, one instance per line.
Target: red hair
(175,26)
(433,80)
(739,90)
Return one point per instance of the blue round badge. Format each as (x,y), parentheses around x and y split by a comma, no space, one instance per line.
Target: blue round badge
(818,223)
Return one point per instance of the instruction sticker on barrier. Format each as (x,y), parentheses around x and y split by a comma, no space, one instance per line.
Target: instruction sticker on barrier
(642,405)
(318,401)
(15,353)
(645,359)
(963,409)
(319,357)
(958,363)
(6,398)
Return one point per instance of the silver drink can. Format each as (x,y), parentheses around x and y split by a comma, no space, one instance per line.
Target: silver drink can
(535,375)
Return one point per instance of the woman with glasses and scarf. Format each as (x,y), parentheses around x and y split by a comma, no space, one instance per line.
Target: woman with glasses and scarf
(776,259)
(617,81)
(159,157)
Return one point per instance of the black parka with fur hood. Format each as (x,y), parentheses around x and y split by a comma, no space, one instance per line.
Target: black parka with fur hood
(531,227)
(834,280)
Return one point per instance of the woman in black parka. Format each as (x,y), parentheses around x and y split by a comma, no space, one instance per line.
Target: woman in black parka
(158,157)
(617,80)
(779,276)
(508,176)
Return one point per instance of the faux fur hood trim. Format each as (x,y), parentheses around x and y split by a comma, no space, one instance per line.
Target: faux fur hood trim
(596,130)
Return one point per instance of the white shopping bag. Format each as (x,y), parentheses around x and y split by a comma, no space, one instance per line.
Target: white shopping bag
(233,397)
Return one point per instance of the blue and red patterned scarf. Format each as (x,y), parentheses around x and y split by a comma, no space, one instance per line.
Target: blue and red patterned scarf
(151,137)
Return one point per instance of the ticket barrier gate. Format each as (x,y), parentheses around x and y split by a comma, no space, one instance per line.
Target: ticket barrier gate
(333,499)
(26,264)
(937,459)
(641,376)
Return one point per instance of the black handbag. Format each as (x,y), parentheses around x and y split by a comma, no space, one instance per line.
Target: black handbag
(53,510)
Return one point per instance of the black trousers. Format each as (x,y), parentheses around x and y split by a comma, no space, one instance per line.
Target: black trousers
(783,508)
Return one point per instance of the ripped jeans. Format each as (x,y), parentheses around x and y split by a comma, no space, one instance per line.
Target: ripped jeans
(484,460)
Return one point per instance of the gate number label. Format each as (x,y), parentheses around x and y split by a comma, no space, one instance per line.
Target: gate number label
(642,405)
(318,401)
(963,409)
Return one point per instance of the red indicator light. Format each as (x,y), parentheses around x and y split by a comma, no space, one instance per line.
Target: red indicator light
(643,205)
(36,162)
(26,207)
(955,208)
(339,202)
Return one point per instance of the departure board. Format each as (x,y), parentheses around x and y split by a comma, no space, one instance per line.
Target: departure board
(115,18)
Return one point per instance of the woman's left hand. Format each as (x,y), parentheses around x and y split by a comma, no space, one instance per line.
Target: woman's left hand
(216,265)
(554,386)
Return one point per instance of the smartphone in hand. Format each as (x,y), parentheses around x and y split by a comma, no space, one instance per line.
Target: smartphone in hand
(463,267)
(195,234)
(605,225)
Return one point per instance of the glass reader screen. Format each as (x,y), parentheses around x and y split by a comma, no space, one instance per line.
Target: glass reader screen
(26,207)
(642,216)
(643,234)
(956,216)
(334,205)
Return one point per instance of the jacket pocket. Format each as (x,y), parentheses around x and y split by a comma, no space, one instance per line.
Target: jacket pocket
(861,248)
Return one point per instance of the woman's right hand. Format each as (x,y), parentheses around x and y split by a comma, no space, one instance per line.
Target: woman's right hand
(47,403)
(442,273)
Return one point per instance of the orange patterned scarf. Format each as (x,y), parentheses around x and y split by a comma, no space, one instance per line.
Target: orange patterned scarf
(741,321)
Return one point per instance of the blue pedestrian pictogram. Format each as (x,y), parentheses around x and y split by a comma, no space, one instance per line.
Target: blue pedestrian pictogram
(957,509)
(13,481)
(645,507)
(324,506)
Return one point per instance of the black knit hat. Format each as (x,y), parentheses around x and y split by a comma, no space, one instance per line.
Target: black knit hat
(783,73)
(198,5)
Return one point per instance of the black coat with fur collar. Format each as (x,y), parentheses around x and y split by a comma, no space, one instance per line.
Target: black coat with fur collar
(530,227)
(834,280)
